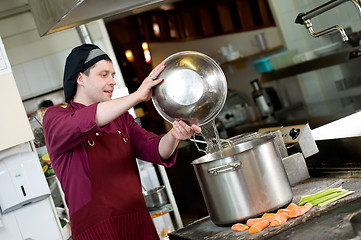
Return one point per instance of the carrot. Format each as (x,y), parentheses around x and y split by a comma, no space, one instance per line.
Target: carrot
(258,226)
(292,206)
(306,207)
(279,219)
(239,227)
(284,210)
(296,212)
(268,216)
(252,221)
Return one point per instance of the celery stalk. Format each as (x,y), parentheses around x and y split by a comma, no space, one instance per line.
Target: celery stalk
(327,197)
(336,198)
(321,192)
(317,195)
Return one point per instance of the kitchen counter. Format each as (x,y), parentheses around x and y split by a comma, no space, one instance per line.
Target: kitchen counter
(329,222)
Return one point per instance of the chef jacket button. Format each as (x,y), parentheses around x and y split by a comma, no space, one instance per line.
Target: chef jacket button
(97,134)
(91,143)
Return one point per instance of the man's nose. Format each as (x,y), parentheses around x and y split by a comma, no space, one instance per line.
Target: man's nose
(112,81)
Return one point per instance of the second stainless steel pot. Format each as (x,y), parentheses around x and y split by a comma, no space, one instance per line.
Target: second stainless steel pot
(155,198)
(247,181)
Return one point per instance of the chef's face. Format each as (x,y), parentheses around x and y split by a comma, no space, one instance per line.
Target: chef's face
(99,83)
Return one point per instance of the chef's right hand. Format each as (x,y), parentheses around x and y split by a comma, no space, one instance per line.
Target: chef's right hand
(144,92)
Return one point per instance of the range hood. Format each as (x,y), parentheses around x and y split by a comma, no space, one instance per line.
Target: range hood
(55,15)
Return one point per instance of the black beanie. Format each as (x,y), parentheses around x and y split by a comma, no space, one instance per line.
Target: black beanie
(80,59)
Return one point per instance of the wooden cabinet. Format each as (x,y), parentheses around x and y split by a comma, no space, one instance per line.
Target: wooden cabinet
(225,17)
(188,20)
(245,14)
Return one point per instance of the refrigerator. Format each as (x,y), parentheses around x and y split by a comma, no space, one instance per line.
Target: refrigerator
(27,210)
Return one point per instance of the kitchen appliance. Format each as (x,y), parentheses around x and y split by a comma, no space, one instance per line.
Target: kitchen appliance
(22,181)
(300,145)
(194,88)
(235,110)
(293,161)
(261,99)
(299,137)
(248,180)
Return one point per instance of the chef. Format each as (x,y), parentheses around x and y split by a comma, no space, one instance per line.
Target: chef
(93,144)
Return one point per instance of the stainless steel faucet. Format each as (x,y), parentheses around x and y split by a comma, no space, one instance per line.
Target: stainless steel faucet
(305,18)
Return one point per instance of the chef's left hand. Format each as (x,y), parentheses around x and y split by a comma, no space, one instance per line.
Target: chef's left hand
(182,131)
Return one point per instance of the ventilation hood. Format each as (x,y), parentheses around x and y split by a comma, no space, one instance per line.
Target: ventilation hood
(55,15)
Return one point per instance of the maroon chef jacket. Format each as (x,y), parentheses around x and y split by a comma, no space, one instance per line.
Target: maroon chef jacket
(67,132)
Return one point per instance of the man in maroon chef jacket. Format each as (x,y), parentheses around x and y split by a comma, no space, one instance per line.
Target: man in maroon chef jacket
(93,145)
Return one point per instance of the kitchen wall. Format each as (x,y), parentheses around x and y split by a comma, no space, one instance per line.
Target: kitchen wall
(321,85)
(38,62)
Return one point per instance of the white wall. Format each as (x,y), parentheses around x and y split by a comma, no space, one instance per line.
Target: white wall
(38,62)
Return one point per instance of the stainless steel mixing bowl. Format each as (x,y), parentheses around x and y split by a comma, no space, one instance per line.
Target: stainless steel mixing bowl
(194,89)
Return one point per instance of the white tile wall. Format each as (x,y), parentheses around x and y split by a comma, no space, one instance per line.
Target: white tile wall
(36,75)
(40,75)
(44,74)
(54,65)
(25,49)
(311,87)
(20,79)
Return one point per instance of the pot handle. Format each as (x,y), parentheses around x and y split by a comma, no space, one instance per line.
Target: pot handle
(225,168)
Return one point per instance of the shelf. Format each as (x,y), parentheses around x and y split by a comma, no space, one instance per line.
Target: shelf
(167,208)
(270,50)
(314,64)
(304,113)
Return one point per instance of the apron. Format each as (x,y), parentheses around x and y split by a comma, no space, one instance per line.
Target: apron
(117,209)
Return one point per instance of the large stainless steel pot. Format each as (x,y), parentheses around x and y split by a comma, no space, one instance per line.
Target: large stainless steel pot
(249,180)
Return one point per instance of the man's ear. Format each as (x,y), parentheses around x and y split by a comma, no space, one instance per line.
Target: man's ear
(80,79)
